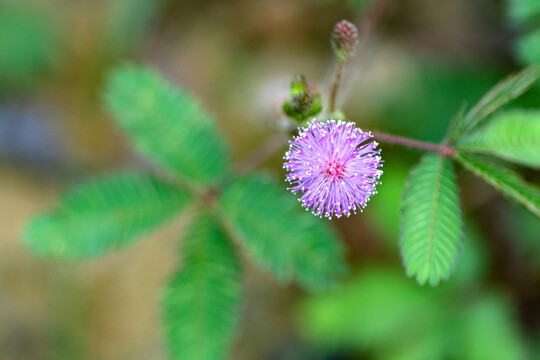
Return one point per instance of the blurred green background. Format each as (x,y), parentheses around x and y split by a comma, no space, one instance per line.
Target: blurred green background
(238,57)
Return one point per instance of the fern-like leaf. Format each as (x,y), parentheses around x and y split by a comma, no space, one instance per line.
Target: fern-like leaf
(514,136)
(282,238)
(431,227)
(104,214)
(167,124)
(200,305)
(505,181)
(502,93)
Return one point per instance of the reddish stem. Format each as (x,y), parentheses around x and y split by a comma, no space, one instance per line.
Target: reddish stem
(444,150)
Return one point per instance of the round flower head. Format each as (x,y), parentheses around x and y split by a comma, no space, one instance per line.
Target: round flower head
(333,167)
(344,39)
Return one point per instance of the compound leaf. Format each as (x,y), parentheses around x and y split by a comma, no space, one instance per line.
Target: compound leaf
(431,236)
(201,303)
(104,214)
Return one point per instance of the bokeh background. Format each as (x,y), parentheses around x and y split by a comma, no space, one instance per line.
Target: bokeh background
(238,57)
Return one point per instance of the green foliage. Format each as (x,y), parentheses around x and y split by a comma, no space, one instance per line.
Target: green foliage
(489,331)
(381,313)
(364,313)
(167,124)
(525,17)
(29,44)
(502,93)
(432,228)
(505,181)
(104,214)
(279,235)
(522,11)
(513,135)
(201,302)
(384,213)
(528,50)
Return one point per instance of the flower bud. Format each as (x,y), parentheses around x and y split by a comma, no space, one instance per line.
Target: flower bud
(304,102)
(344,39)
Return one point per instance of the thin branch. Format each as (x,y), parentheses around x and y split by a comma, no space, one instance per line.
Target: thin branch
(444,150)
(335,86)
(368,22)
(261,153)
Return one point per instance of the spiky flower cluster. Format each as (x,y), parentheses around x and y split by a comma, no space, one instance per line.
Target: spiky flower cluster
(344,39)
(333,167)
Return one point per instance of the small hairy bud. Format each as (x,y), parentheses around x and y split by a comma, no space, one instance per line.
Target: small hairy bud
(344,39)
(304,103)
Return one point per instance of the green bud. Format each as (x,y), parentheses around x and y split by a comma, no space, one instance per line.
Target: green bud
(298,85)
(304,103)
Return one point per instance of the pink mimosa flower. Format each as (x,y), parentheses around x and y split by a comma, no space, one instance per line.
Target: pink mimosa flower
(334,167)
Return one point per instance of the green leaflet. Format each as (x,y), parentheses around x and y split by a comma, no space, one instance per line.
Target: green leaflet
(279,235)
(431,235)
(201,303)
(167,124)
(104,214)
(513,135)
(505,91)
(504,180)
